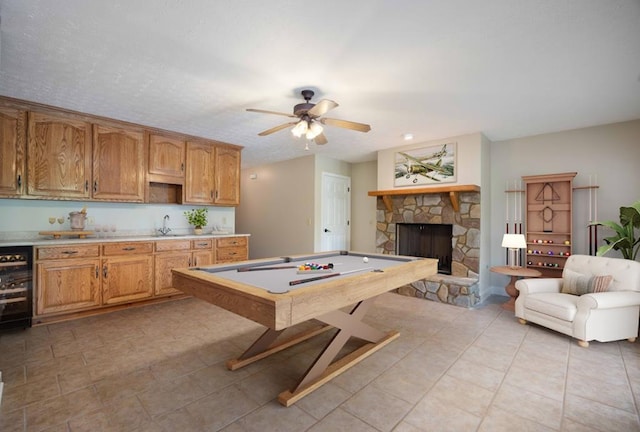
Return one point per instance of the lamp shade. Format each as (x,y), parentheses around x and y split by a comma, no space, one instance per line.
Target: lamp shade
(514,241)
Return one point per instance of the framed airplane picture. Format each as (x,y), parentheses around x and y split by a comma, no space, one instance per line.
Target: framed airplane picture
(426,165)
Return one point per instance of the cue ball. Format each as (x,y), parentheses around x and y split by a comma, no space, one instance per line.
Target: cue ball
(365,259)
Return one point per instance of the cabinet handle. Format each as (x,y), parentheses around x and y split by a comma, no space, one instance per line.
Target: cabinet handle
(19,180)
(128,248)
(202,244)
(97,272)
(211,194)
(182,167)
(86,185)
(104,271)
(189,262)
(95,186)
(71,252)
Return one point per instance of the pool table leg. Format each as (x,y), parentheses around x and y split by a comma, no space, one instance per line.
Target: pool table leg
(348,325)
(264,346)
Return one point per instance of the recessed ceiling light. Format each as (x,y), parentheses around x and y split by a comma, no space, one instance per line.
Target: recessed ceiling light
(407,137)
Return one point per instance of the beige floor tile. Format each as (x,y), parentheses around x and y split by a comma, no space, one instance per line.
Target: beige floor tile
(599,416)
(377,408)
(436,414)
(164,396)
(161,368)
(277,417)
(340,420)
(529,405)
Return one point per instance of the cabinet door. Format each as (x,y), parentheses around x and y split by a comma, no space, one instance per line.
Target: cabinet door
(66,286)
(166,157)
(199,181)
(118,164)
(13,138)
(227,176)
(59,162)
(126,279)
(164,263)
(202,258)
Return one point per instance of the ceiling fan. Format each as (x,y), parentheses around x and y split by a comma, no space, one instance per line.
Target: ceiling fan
(309,117)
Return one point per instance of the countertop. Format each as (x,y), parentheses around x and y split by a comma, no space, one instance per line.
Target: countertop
(50,241)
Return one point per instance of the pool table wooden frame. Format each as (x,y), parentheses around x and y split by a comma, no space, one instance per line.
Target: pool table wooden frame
(323,302)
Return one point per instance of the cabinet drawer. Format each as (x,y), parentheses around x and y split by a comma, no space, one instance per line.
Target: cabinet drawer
(202,244)
(173,245)
(70,251)
(128,248)
(231,241)
(231,254)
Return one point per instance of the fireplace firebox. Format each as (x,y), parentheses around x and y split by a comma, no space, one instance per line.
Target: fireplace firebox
(427,241)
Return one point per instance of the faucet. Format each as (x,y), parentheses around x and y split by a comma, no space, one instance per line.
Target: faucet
(165,229)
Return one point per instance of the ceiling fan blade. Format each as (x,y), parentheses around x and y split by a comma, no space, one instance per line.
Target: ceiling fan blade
(276,129)
(322,107)
(271,112)
(320,139)
(360,127)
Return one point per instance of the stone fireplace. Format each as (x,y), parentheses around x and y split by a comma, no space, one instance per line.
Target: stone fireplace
(459,208)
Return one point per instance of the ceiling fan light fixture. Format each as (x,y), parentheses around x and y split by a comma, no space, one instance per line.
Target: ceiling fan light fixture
(300,128)
(314,130)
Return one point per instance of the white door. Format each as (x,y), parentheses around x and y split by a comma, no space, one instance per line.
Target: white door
(336,212)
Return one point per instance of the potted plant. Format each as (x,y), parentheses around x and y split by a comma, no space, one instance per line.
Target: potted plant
(625,239)
(197,218)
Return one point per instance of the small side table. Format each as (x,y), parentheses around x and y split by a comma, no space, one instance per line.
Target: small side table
(515,273)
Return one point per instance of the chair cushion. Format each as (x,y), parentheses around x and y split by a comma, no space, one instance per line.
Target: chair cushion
(578,284)
(558,305)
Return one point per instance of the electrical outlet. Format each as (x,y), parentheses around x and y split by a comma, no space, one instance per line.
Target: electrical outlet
(224,221)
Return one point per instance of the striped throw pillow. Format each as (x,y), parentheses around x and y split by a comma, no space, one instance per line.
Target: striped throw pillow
(578,284)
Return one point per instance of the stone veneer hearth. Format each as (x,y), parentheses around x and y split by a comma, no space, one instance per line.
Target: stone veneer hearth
(461,287)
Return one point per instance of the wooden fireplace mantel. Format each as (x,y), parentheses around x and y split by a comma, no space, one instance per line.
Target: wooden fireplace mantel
(452,190)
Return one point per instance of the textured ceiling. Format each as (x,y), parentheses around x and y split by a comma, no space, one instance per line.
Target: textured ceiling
(439,68)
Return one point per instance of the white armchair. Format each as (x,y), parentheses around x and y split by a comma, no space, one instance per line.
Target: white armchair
(603,316)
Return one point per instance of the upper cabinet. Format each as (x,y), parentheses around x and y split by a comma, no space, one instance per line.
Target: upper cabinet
(199,181)
(59,156)
(118,164)
(166,159)
(227,176)
(13,130)
(51,153)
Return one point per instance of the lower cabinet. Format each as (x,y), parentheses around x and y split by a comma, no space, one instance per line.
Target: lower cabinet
(67,285)
(172,254)
(77,278)
(127,272)
(232,249)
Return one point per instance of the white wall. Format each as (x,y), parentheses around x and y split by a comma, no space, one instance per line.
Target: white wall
(609,152)
(23,219)
(277,208)
(468,154)
(364,178)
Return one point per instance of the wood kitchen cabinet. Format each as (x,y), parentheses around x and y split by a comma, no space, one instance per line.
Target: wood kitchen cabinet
(67,279)
(227,176)
(13,146)
(232,249)
(59,156)
(166,159)
(127,272)
(199,178)
(172,254)
(118,164)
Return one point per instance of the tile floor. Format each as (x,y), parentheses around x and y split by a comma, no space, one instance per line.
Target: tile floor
(161,368)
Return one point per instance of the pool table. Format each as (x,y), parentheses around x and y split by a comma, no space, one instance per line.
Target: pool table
(278,293)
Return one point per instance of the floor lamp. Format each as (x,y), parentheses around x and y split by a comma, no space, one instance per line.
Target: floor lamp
(513,242)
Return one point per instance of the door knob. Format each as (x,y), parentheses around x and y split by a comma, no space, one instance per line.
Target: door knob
(326,230)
